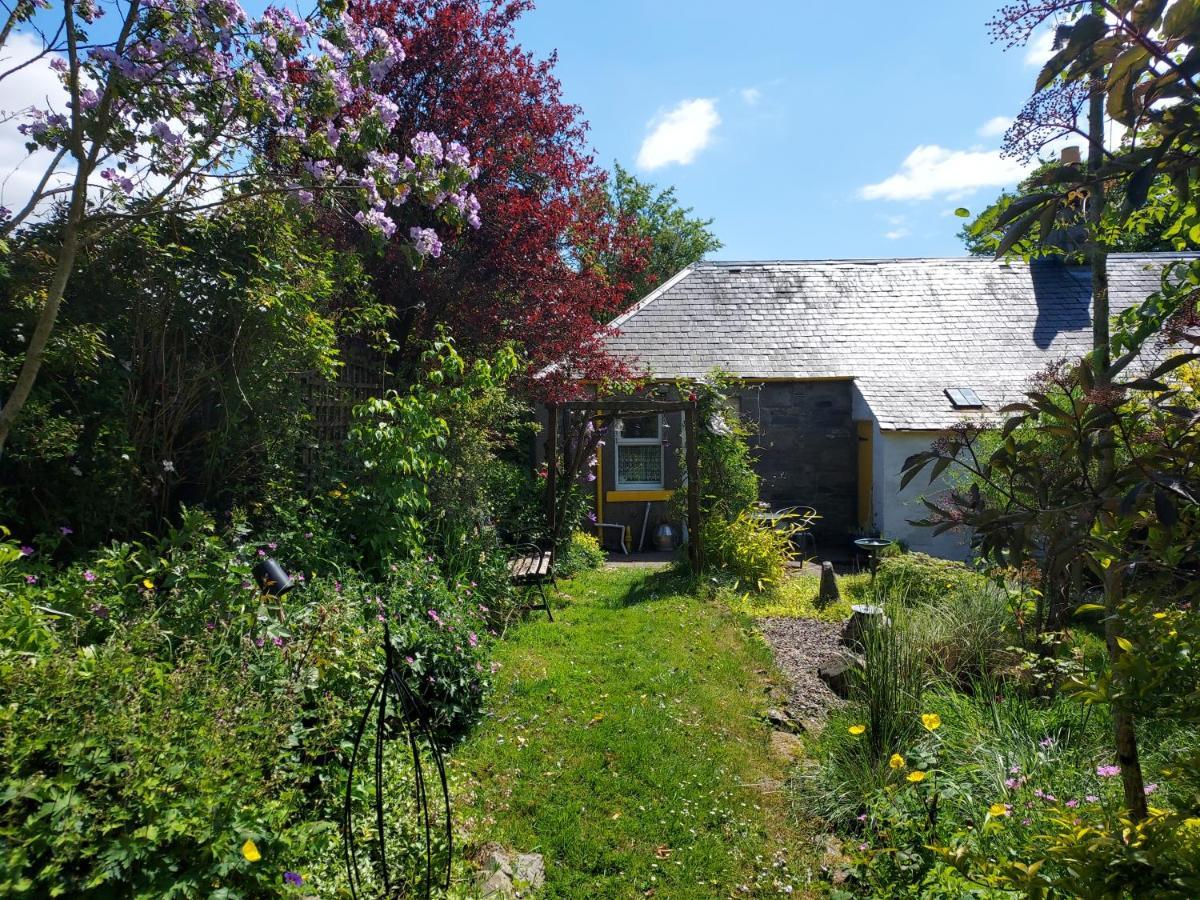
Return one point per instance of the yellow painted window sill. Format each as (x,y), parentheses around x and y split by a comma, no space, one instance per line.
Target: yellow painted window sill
(636,496)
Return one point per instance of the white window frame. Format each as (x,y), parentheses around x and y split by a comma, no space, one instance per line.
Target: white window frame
(639,442)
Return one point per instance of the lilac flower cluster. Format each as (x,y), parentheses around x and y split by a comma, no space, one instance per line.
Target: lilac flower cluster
(190,91)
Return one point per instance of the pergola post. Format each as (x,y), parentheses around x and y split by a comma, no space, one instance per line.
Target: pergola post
(695,550)
(552,477)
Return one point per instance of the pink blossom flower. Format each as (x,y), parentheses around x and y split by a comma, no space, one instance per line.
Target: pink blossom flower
(89,575)
(1108,771)
(1149,789)
(473,639)
(1092,798)
(26,550)
(31,579)
(66,530)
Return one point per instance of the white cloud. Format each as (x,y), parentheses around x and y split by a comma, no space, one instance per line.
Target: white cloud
(751,96)
(679,134)
(35,85)
(931,170)
(994,127)
(896,234)
(1040,48)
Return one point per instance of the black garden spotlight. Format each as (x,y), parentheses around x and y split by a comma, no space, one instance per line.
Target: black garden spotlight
(272,579)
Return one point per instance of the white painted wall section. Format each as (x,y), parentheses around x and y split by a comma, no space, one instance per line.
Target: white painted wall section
(894,508)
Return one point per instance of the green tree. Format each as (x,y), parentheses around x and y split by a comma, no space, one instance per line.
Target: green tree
(674,237)
(1144,230)
(174,374)
(1135,62)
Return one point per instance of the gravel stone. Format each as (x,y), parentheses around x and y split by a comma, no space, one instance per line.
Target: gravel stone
(800,646)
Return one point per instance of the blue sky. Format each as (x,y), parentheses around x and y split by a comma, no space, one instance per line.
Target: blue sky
(803,129)
(779,116)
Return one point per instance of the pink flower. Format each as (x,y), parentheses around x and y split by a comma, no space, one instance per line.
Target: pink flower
(31,579)
(1071,804)
(1092,798)
(1108,771)
(26,550)
(89,575)
(473,639)
(1149,789)
(66,530)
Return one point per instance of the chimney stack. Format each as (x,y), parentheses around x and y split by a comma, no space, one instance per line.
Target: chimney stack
(1070,156)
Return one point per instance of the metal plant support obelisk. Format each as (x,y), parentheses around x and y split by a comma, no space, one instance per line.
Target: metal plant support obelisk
(399,713)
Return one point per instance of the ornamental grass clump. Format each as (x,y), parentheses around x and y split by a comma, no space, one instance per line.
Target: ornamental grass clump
(889,686)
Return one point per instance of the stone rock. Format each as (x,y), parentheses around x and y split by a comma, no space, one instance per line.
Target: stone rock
(529,871)
(837,670)
(786,747)
(833,860)
(829,593)
(862,617)
(503,874)
(781,720)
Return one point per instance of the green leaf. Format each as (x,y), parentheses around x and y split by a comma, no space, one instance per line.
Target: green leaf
(1125,644)
(1089,607)
(962,212)
(1182,19)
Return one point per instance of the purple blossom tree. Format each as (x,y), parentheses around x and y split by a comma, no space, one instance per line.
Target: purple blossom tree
(184,105)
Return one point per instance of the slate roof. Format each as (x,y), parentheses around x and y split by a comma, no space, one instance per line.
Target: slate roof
(904,329)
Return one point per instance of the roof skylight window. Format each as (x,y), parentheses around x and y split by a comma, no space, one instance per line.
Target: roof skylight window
(964,398)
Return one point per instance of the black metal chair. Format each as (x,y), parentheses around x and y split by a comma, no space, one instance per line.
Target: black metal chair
(529,568)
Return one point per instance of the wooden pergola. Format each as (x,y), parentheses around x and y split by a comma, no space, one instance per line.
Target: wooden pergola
(597,410)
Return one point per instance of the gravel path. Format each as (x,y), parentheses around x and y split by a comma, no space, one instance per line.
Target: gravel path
(800,646)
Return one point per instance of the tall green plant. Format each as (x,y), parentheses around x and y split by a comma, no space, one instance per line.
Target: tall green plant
(401,444)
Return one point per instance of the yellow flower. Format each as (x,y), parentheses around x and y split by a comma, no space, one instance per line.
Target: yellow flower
(250,851)
(148,584)
(856,730)
(916,777)
(932,721)
(998,809)
(897,761)
(1160,615)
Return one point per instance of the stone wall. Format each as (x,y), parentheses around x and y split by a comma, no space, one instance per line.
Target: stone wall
(807,449)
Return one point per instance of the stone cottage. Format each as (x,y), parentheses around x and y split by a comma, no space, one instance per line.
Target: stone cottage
(849,367)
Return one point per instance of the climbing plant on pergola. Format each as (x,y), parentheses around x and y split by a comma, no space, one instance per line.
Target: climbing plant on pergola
(578,442)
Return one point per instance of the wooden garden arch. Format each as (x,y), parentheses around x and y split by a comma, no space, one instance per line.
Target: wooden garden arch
(597,410)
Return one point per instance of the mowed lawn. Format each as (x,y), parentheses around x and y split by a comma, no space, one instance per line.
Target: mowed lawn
(625,742)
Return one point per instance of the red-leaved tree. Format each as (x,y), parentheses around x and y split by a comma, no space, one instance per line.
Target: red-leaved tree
(532,272)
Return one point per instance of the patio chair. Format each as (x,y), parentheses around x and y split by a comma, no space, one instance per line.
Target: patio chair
(803,516)
(529,568)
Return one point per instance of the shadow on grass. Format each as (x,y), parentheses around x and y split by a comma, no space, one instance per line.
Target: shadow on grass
(678,579)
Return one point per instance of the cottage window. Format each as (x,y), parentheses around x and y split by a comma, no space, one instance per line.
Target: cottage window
(639,453)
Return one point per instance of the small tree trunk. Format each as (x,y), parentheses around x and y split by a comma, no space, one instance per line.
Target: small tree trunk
(48,315)
(1124,732)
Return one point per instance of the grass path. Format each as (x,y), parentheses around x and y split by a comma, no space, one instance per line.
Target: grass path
(625,744)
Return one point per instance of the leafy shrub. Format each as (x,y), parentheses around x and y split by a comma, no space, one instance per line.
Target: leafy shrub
(919,578)
(753,553)
(212,715)
(582,552)
(400,445)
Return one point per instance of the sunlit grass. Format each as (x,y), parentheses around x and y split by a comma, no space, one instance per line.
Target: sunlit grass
(797,596)
(625,743)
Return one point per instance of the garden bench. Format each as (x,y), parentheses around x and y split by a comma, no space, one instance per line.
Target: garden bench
(529,568)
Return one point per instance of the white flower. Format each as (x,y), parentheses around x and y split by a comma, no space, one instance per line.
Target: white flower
(168,466)
(76,470)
